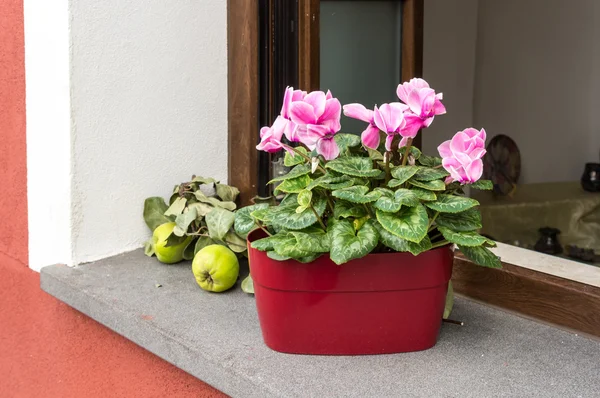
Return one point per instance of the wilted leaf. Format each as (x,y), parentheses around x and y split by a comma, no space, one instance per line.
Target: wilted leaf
(173,240)
(154,212)
(204,180)
(177,207)
(149,247)
(189,251)
(202,209)
(219,221)
(449,301)
(183,221)
(202,242)
(235,243)
(227,193)
(248,285)
(214,201)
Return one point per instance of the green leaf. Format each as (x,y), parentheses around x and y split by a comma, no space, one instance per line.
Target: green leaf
(435,185)
(289,199)
(304,198)
(465,221)
(462,238)
(288,246)
(430,161)
(374,154)
(294,185)
(273,255)
(183,221)
(409,223)
(173,240)
(154,212)
(202,209)
(353,166)
(344,209)
(312,242)
(244,221)
(393,183)
(346,244)
(265,244)
(248,285)
(484,185)
(285,215)
(429,174)
(402,174)
(387,202)
(451,203)
(413,150)
(481,256)
(263,215)
(449,301)
(235,243)
(331,183)
(218,222)
(406,197)
(227,193)
(345,141)
(308,259)
(402,245)
(293,160)
(424,195)
(177,207)
(149,247)
(201,243)
(357,194)
(189,252)
(297,171)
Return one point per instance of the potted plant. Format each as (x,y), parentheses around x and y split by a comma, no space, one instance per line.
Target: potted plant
(357,257)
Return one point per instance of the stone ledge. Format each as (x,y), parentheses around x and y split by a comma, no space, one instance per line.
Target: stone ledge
(216,338)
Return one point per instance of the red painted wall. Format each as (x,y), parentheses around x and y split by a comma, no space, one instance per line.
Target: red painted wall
(13,167)
(48,349)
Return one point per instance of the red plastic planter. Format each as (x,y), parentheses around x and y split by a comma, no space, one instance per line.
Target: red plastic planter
(380,304)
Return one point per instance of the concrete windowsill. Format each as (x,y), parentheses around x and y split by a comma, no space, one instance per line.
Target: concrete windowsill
(216,337)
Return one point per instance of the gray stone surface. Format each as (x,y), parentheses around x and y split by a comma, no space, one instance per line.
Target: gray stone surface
(216,337)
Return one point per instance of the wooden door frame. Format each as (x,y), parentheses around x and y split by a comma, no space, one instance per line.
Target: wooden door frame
(243,85)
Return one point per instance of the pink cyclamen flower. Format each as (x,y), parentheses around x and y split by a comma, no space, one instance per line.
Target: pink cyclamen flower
(316,108)
(270,137)
(290,96)
(322,138)
(369,137)
(389,118)
(423,105)
(461,156)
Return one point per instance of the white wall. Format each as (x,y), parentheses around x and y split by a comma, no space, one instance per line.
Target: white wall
(450,31)
(48,131)
(537,80)
(147,108)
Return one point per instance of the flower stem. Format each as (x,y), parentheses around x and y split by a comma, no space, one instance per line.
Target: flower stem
(405,157)
(388,175)
(321,169)
(318,218)
(440,244)
(432,221)
(329,202)
(262,227)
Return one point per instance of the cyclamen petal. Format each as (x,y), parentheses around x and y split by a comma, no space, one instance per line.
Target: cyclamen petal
(461,156)
(358,111)
(317,100)
(474,171)
(370,137)
(328,148)
(444,149)
(302,113)
(331,115)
